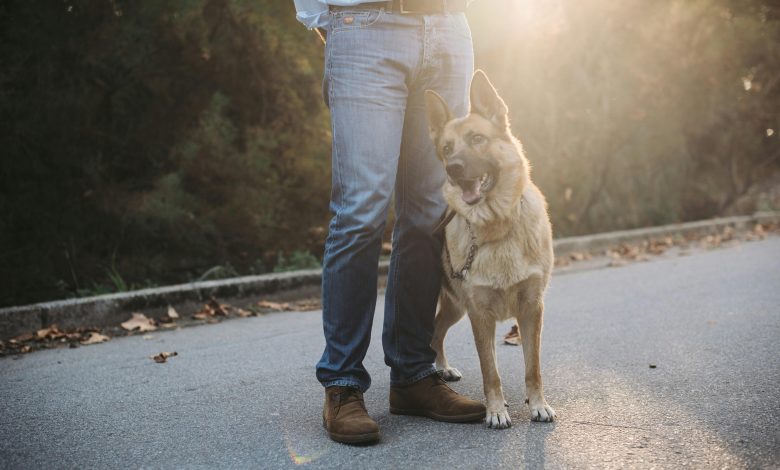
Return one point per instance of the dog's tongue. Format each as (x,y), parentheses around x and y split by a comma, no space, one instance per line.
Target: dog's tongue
(471,193)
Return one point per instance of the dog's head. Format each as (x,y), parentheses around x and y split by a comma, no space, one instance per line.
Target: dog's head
(478,148)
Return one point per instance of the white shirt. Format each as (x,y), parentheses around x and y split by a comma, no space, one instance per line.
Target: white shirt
(314,13)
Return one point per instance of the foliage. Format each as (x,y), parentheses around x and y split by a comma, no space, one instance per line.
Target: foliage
(297,260)
(155,140)
(159,142)
(638,112)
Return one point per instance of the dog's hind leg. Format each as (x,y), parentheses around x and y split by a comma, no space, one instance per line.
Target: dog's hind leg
(530,321)
(485,338)
(448,315)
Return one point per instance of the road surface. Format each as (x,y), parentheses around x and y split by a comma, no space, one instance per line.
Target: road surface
(243,394)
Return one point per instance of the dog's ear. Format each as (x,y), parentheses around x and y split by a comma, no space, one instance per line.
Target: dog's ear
(485,100)
(438,112)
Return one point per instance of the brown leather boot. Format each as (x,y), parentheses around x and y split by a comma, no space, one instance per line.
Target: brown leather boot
(432,397)
(345,417)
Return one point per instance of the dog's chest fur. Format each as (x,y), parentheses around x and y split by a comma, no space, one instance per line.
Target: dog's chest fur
(496,281)
(498,277)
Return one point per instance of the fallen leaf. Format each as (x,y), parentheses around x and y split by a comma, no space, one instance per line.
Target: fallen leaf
(576,256)
(22,338)
(163,356)
(308,305)
(95,338)
(218,309)
(211,309)
(513,337)
(243,313)
(51,332)
(139,322)
(276,306)
(759,231)
(172,313)
(148,336)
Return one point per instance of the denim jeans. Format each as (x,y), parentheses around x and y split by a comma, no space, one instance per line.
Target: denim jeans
(378,65)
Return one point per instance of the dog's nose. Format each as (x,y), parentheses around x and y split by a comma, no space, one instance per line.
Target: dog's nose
(455,169)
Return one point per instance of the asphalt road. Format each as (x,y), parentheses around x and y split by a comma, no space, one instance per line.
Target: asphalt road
(243,394)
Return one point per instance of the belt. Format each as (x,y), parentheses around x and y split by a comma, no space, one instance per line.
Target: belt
(411,7)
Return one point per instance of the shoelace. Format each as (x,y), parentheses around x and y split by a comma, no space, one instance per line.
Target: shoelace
(350,395)
(438,382)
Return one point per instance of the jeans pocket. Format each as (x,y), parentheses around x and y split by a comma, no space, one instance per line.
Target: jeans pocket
(347,20)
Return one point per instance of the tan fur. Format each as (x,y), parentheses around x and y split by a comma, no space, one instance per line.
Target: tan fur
(513,263)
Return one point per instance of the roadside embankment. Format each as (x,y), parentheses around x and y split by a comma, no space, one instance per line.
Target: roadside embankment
(110,310)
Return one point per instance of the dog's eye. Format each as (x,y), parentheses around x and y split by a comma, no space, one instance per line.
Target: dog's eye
(447,149)
(477,139)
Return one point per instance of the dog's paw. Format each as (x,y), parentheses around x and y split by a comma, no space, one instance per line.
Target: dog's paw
(450,374)
(498,419)
(542,412)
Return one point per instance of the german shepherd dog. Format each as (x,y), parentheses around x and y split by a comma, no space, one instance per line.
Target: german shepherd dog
(498,252)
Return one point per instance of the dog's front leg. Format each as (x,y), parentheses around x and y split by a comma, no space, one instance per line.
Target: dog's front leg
(485,338)
(530,322)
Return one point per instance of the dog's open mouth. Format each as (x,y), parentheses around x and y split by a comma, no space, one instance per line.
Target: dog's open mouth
(474,189)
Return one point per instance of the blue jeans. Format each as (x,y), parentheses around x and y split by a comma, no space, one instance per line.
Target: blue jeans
(378,65)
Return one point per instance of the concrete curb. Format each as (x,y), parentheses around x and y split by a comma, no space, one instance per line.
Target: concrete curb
(110,310)
(602,241)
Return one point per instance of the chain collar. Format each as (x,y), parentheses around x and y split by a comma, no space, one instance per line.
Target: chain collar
(461,273)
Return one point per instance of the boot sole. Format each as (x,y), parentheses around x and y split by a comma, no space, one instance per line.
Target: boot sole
(352,438)
(468,418)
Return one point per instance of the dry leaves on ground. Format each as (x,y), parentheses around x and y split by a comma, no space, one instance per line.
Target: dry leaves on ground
(172,313)
(572,257)
(94,338)
(308,305)
(275,306)
(513,337)
(50,333)
(243,313)
(163,356)
(50,337)
(625,253)
(212,309)
(139,322)
(304,305)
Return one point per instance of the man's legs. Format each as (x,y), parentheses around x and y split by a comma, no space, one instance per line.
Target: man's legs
(372,59)
(415,267)
(367,64)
